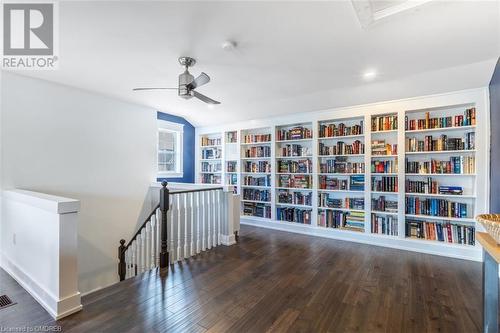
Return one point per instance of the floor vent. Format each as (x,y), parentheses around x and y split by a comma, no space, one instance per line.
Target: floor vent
(5,301)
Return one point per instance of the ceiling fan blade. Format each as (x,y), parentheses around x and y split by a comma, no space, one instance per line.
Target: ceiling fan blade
(154,88)
(204,98)
(199,81)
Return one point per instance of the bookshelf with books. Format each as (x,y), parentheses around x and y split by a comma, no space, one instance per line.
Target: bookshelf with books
(440,174)
(211,159)
(256,172)
(384,175)
(399,176)
(294,172)
(341,173)
(231,159)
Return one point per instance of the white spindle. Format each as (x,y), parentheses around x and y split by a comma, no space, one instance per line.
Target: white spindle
(209,219)
(206,219)
(215,204)
(181,199)
(219,215)
(152,248)
(175,227)
(147,246)
(158,237)
(196,221)
(127,263)
(188,252)
(137,255)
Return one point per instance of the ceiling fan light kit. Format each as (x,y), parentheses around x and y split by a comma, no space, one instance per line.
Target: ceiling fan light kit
(187,83)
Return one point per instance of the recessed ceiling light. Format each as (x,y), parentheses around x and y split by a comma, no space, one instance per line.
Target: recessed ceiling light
(229,45)
(369,75)
(211,106)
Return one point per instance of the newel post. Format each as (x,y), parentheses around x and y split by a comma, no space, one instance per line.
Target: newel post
(164,205)
(122,269)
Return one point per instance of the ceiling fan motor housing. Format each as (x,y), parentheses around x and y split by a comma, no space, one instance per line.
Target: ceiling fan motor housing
(185,79)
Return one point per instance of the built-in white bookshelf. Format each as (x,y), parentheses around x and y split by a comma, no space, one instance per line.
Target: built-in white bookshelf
(210,159)
(384,200)
(379,212)
(440,169)
(231,159)
(256,168)
(341,174)
(294,173)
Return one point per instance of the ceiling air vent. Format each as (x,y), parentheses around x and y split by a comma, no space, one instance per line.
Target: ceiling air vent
(371,11)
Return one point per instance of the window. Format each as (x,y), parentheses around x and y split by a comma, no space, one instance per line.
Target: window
(170,149)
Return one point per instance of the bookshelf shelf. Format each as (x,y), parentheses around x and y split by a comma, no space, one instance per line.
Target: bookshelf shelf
(293,188)
(342,209)
(384,192)
(257,201)
(380,212)
(256,186)
(443,129)
(340,174)
(293,157)
(256,143)
(441,218)
(341,191)
(384,132)
(342,155)
(256,158)
(442,174)
(293,140)
(340,137)
(467,151)
(293,205)
(441,195)
(384,174)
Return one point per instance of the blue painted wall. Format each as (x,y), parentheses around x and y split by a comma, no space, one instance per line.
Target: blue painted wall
(495,140)
(188,148)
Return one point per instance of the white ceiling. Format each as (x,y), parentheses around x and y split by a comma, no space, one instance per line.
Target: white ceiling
(292,56)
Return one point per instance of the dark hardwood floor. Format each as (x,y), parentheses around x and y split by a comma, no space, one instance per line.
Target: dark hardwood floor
(274,281)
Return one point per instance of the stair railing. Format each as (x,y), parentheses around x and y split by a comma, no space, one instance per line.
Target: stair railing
(183,224)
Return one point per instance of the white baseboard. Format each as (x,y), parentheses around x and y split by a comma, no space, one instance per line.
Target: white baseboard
(57,307)
(430,247)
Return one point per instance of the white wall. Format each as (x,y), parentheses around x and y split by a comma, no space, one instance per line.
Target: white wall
(68,142)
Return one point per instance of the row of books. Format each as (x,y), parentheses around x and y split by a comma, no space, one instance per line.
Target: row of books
(381,204)
(257,166)
(211,153)
(384,166)
(443,143)
(328,201)
(384,225)
(467,119)
(354,183)
(231,166)
(385,184)
(295,181)
(257,138)
(291,214)
(431,186)
(336,130)
(296,133)
(257,181)
(455,165)
(340,165)
(258,151)
(341,148)
(300,166)
(436,207)
(256,209)
(384,123)
(296,198)
(381,148)
(211,167)
(339,219)
(232,179)
(256,194)
(293,150)
(442,232)
(208,178)
(210,141)
(232,137)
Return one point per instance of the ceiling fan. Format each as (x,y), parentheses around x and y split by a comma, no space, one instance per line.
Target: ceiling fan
(187,83)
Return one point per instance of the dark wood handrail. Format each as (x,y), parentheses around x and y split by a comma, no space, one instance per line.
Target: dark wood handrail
(163,206)
(142,226)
